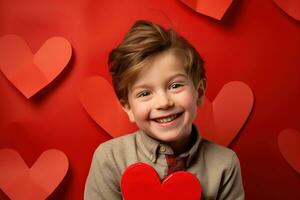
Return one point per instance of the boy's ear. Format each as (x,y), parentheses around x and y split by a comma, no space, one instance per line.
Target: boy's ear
(126,107)
(201,91)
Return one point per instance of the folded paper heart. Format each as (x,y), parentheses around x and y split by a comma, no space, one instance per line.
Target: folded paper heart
(291,7)
(19,182)
(289,147)
(140,181)
(29,72)
(99,100)
(220,120)
(212,8)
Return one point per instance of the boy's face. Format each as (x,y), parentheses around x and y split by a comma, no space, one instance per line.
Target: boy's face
(163,100)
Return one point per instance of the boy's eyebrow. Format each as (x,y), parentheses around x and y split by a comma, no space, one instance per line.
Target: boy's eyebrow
(139,87)
(144,85)
(178,74)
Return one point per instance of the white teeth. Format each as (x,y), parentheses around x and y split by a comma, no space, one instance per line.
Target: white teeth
(167,119)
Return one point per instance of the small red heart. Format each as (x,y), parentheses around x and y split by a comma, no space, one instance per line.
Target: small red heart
(140,181)
(291,7)
(99,100)
(22,183)
(289,146)
(29,72)
(212,8)
(221,120)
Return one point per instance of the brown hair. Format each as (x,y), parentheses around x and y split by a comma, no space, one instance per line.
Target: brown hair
(143,41)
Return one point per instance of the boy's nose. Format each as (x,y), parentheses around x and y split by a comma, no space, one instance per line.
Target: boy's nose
(163,101)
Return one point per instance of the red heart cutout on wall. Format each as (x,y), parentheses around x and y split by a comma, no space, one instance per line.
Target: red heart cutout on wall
(29,72)
(140,181)
(19,182)
(99,100)
(289,146)
(221,120)
(212,8)
(291,7)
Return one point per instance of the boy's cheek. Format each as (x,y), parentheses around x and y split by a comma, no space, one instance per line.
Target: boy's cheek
(187,100)
(141,111)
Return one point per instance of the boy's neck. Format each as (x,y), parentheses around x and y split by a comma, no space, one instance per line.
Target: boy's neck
(182,145)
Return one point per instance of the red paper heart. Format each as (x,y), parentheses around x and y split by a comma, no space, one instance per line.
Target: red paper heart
(213,8)
(22,183)
(221,120)
(99,100)
(289,146)
(291,7)
(140,181)
(29,72)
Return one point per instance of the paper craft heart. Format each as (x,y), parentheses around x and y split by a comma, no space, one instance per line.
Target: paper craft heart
(140,181)
(19,182)
(99,100)
(212,8)
(291,7)
(289,146)
(221,120)
(29,72)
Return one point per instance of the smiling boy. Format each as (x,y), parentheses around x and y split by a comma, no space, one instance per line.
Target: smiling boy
(160,80)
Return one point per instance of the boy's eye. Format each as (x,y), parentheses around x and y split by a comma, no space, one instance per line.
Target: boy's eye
(143,94)
(175,85)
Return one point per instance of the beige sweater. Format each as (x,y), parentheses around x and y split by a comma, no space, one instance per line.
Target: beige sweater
(216,167)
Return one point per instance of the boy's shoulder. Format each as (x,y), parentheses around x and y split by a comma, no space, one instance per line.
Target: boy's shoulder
(215,153)
(211,147)
(117,144)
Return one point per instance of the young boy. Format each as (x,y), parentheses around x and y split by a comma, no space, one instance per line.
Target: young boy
(160,80)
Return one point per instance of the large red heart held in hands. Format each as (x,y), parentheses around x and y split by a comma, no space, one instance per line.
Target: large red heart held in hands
(19,182)
(29,72)
(140,181)
(219,121)
(213,8)
(289,146)
(291,7)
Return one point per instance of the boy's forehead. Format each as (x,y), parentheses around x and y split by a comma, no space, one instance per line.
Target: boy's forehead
(170,76)
(163,62)
(161,67)
(153,79)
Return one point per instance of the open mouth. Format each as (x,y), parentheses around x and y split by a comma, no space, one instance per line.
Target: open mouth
(168,119)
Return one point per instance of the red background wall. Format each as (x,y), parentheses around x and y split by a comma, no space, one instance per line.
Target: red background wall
(256,43)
